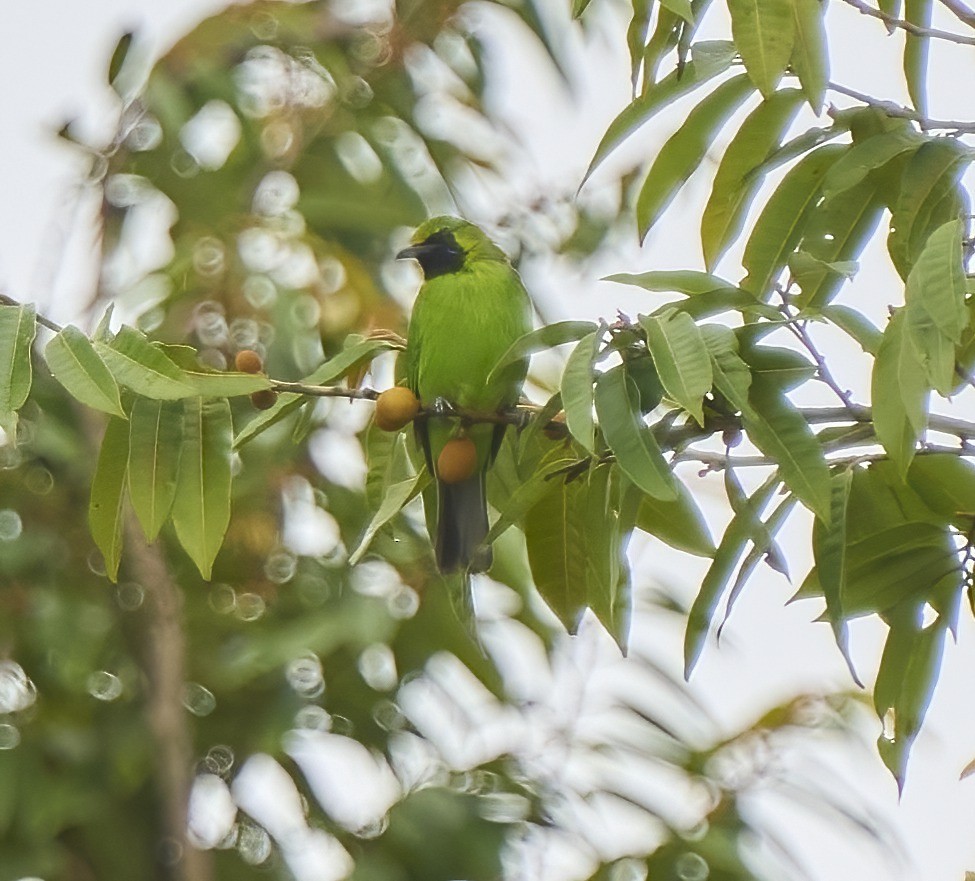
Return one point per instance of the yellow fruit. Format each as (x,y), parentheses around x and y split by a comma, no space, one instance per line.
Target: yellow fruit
(457,460)
(395,408)
(248,361)
(264,399)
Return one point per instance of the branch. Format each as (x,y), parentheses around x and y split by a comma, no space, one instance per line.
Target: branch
(45,322)
(896,110)
(960,11)
(910,27)
(720,461)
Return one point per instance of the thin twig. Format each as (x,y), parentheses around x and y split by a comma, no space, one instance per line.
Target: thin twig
(893,109)
(909,26)
(719,461)
(46,322)
(960,11)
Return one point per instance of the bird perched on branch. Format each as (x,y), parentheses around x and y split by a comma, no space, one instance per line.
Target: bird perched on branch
(471,307)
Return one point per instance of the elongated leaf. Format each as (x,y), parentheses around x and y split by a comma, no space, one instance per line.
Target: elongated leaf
(780,225)
(732,376)
(18,326)
(229,384)
(679,523)
(829,549)
(930,195)
(709,60)
(800,144)
(946,483)
(139,365)
(396,497)
(108,494)
(868,155)
(636,450)
(577,390)
(681,8)
(836,233)
(662,40)
(681,359)
(636,37)
(857,325)
(74,363)
(546,337)
(810,54)
(201,508)
(764,32)
(155,444)
(688,281)
(735,185)
(607,531)
(782,368)
(917,12)
(726,558)
(683,152)
(779,430)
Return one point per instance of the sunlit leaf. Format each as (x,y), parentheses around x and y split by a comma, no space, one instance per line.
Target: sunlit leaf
(636,451)
(105,509)
(74,363)
(782,368)
(155,444)
(734,185)
(710,59)
(679,523)
(139,365)
(781,223)
(690,282)
(17,330)
(764,32)
(732,376)
(810,53)
(607,571)
(867,156)
(201,507)
(681,358)
(577,390)
(857,325)
(683,152)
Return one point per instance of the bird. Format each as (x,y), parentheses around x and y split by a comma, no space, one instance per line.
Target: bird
(471,307)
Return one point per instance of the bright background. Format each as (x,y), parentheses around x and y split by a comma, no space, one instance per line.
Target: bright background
(53,69)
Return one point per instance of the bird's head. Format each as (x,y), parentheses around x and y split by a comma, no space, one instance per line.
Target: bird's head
(442,245)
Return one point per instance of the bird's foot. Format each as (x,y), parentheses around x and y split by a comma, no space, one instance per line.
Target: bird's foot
(442,407)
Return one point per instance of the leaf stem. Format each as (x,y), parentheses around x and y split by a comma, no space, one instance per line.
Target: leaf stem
(909,26)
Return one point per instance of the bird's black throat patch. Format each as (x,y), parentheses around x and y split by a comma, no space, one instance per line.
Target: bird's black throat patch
(439,254)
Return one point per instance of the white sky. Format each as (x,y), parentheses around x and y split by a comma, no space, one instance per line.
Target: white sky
(53,67)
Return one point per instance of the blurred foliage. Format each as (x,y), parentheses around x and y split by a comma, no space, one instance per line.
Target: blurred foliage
(263,175)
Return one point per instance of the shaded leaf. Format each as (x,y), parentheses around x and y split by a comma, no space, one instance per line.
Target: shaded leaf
(395,498)
(577,390)
(732,376)
(679,523)
(782,368)
(764,32)
(856,325)
(18,326)
(155,443)
(119,55)
(632,442)
(810,52)
(866,156)
(74,363)
(201,507)
(917,12)
(683,152)
(546,337)
(108,494)
(946,483)
(735,184)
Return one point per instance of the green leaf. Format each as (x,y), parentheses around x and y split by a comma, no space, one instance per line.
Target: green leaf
(779,430)
(679,523)
(681,8)
(782,368)
(735,184)
(225,384)
(201,508)
(18,326)
(800,144)
(810,53)
(917,12)
(764,32)
(935,311)
(899,394)
(607,531)
(139,365)
(930,195)
(546,337)
(633,444)
(636,36)
(664,38)
(829,549)
(577,390)
(119,55)
(681,359)
(732,376)
(726,559)
(396,497)
(74,363)
(836,233)
(687,281)
(866,156)
(781,223)
(683,152)
(946,483)
(155,444)
(856,325)
(710,59)
(108,494)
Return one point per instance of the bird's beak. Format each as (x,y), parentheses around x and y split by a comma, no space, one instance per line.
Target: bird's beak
(412,252)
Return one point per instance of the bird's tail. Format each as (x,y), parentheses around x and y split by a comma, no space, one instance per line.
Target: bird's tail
(462,525)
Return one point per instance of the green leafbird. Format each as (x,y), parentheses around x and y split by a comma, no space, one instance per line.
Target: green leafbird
(471,307)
